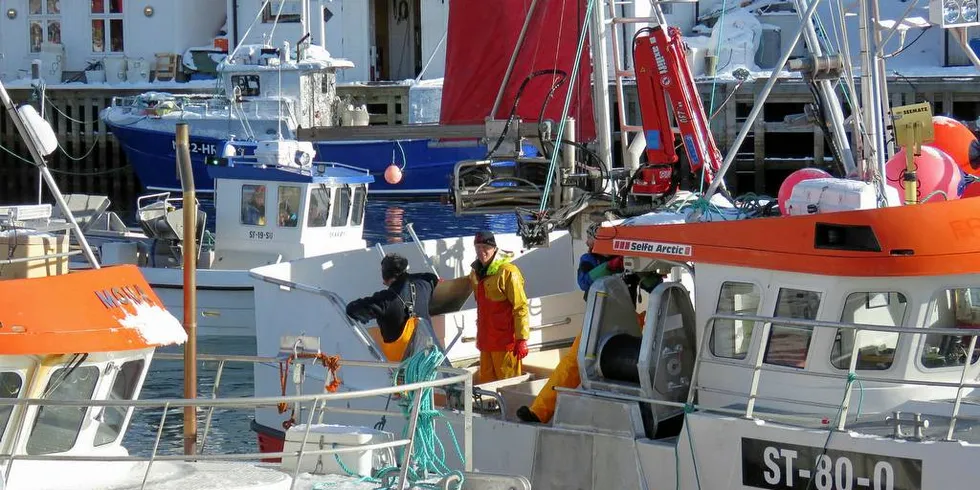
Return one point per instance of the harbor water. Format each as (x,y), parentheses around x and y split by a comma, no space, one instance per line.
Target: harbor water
(385,222)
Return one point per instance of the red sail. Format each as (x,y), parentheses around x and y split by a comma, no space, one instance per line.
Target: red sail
(482,35)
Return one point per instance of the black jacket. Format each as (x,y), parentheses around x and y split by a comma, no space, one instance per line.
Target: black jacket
(388,306)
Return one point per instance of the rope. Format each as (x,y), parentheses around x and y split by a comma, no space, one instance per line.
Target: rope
(428,452)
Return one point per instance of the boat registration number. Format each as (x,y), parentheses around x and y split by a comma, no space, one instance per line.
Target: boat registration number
(198,147)
(771,465)
(260,235)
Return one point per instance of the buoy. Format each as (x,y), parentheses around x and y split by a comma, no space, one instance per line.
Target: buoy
(786,188)
(934,169)
(954,138)
(393,174)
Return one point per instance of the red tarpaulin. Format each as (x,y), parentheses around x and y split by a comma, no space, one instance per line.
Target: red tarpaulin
(482,36)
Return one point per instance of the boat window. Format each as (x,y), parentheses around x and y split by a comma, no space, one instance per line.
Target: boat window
(10,385)
(731,338)
(123,388)
(876,350)
(341,206)
(954,308)
(56,428)
(788,344)
(288,205)
(253,205)
(319,207)
(357,209)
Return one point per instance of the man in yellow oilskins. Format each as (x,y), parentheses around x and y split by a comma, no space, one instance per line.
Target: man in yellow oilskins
(501,311)
(591,267)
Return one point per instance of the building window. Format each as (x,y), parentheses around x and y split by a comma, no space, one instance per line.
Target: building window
(357,212)
(253,205)
(789,344)
(107,26)
(876,350)
(56,428)
(954,308)
(288,205)
(44,17)
(341,206)
(292,11)
(123,388)
(319,207)
(731,338)
(10,385)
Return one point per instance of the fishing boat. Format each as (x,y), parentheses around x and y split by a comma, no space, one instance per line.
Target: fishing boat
(266,92)
(71,378)
(831,344)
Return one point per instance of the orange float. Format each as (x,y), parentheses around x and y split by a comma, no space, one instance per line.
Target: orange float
(954,138)
(934,170)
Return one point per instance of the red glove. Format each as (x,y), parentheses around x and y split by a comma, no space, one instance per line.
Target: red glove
(520,348)
(616,264)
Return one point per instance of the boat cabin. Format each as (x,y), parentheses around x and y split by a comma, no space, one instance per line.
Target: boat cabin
(272,208)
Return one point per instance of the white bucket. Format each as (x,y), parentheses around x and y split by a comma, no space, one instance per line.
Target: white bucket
(95,76)
(137,71)
(115,69)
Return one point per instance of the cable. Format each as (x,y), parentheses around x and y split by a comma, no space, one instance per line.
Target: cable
(517,99)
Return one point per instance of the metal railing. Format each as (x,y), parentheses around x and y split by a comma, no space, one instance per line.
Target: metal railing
(214,105)
(317,404)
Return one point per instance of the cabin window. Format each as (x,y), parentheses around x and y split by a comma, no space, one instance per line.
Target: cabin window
(288,206)
(357,209)
(319,207)
(954,308)
(44,17)
(341,206)
(876,350)
(56,428)
(107,26)
(247,85)
(253,205)
(123,388)
(731,338)
(789,344)
(10,385)
(289,11)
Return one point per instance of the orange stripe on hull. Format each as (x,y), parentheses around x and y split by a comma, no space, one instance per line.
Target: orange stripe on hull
(938,238)
(84,311)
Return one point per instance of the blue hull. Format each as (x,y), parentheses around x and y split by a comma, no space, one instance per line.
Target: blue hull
(428,170)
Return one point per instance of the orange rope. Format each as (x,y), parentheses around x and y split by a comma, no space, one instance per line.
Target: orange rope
(331,363)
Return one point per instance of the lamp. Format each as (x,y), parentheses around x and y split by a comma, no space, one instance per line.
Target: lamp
(148,11)
(229,151)
(11,14)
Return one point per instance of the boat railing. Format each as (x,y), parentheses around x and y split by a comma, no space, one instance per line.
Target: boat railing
(446,378)
(315,167)
(211,104)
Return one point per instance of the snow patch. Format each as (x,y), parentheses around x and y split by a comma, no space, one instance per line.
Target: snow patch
(154,324)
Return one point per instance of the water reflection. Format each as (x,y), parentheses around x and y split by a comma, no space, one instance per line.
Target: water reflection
(395,224)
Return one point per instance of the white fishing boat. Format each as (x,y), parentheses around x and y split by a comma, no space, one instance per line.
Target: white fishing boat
(832,347)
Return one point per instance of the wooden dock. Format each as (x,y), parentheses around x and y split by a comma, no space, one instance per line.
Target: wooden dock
(91,160)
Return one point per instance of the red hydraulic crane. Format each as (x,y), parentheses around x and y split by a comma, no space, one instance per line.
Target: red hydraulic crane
(663,77)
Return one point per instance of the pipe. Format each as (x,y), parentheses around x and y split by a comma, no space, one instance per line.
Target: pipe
(190,284)
(757,107)
(321,23)
(513,60)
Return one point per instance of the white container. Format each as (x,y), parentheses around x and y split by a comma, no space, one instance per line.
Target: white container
(832,195)
(325,436)
(137,71)
(119,253)
(115,69)
(95,76)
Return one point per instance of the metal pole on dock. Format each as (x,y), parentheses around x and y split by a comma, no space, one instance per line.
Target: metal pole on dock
(190,284)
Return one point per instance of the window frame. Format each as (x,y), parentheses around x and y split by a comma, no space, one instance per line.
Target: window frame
(898,342)
(46,18)
(758,311)
(358,198)
(242,202)
(107,16)
(309,206)
(128,396)
(822,301)
(346,209)
(279,203)
(5,423)
(84,411)
(931,305)
(269,13)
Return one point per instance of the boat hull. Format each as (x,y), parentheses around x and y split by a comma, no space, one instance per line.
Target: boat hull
(225,299)
(427,172)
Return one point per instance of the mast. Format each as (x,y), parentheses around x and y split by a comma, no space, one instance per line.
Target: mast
(600,84)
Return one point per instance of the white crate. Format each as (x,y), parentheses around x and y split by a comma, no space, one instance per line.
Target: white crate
(326,436)
(831,195)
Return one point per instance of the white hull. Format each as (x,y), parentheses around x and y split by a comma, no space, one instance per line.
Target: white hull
(225,299)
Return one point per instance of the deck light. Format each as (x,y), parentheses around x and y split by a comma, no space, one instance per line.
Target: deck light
(11,14)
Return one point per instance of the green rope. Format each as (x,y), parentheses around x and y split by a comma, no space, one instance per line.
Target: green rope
(714,81)
(428,452)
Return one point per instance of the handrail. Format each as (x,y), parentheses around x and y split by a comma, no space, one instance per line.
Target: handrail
(758,366)
(450,376)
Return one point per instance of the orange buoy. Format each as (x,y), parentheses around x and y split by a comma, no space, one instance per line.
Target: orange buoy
(934,170)
(786,188)
(393,174)
(954,138)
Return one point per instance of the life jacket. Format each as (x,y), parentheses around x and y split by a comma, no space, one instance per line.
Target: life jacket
(399,349)
(495,313)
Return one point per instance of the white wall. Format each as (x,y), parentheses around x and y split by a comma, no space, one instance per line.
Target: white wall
(435,21)
(175,26)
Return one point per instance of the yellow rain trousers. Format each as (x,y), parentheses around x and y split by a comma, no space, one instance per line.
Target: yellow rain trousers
(565,375)
(498,365)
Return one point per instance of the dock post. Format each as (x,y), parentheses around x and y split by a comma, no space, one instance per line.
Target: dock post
(189,253)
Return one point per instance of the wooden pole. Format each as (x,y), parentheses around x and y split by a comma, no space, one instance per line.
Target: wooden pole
(190,284)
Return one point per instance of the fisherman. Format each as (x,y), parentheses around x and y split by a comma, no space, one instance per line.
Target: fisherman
(253,212)
(591,267)
(398,308)
(501,311)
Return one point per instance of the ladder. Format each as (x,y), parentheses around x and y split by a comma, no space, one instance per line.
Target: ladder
(614,16)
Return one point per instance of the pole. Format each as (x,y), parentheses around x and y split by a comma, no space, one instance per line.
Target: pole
(513,59)
(759,103)
(600,82)
(190,285)
(321,24)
